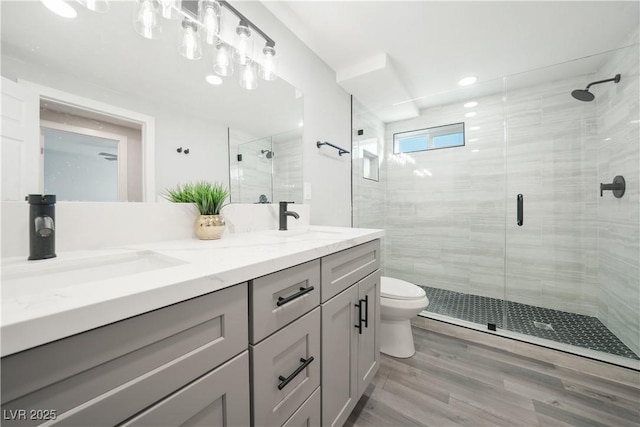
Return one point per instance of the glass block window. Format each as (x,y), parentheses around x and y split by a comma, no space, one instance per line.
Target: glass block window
(429,139)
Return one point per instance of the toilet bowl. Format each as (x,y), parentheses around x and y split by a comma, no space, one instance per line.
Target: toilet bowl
(399,302)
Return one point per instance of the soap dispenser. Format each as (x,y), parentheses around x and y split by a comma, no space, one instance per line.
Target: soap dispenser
(42,230)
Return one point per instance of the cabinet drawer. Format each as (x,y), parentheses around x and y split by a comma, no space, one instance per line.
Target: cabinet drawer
(280,298)
(308,415)
(117,370)
(280,357)
(343,269)
(220,398)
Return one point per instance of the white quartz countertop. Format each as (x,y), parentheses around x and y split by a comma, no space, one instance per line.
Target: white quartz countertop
(45,300)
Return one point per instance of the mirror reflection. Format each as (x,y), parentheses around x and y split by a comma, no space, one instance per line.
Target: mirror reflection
(99,67)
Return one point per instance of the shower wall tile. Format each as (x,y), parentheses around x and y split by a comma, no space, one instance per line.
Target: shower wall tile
(453,200)
(618,148)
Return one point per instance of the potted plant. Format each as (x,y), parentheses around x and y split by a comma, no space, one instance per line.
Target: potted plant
(209,198)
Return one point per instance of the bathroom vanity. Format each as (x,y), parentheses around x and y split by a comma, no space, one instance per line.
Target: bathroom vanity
(263,329)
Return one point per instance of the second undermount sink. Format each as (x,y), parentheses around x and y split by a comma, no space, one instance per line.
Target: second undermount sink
(38,276)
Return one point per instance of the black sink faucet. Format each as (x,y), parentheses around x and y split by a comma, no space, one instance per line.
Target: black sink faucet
(284,213)
(42,230)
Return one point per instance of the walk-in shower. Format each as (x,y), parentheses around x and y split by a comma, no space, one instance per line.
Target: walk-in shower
(514,230)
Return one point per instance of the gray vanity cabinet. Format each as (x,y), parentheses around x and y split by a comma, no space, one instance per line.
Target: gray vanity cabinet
(219,398)
(350,330)
(109,374)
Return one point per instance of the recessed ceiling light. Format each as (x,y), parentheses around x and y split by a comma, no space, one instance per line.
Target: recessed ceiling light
(474,151)
(470,114)
(474,128)
(300,124)
(470,104)
(473,140)
(60,8)
(212,79)
(468,81)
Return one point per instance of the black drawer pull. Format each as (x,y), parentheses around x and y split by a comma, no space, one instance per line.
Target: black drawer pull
(300,368)
(366,311)
(283,301)
(520,215)
(360,319)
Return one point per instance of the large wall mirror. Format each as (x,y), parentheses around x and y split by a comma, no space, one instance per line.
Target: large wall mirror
(130,117)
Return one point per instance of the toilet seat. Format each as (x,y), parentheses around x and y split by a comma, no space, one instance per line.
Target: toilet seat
(399,289)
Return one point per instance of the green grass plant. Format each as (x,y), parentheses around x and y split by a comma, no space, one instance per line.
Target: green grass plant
(208,197)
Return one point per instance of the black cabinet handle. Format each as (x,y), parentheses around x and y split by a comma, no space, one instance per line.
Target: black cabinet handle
(520,219)
(366,311)
(299,369)
(283,301)
(359,325)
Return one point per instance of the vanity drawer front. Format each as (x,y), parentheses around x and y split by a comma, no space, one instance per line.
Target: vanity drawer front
(343,269)
(279,358)
(220,398)
(308,415)
(117,370)
(292,286)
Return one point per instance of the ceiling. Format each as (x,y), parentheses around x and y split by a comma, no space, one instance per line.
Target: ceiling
(413,53)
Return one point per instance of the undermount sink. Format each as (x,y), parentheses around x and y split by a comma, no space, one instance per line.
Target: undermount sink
(34,277)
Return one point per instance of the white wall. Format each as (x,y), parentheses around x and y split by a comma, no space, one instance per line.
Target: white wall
(327,117)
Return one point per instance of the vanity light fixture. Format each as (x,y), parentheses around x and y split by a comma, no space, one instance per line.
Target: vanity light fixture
(249,76)
(244,43)
(209,16)
(190,45)
(100,6)
(171,9)
(60,8)
(145,18)
(209,21)
(466,81)
(223,65)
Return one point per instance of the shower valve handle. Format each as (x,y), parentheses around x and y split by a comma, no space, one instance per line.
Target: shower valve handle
(617,187)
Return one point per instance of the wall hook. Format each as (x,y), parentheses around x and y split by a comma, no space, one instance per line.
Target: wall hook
(186,151)
(179,149)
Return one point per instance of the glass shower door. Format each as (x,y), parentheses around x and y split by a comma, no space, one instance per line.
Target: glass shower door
(556,145)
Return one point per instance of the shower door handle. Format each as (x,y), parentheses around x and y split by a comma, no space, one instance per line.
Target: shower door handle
(520,201)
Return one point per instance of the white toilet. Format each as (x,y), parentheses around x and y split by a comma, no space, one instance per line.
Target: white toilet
(399,302)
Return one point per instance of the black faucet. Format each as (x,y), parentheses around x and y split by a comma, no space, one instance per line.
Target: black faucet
(284,213)
(42,230)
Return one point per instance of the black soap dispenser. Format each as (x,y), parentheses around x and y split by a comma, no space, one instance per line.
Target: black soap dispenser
(42,230)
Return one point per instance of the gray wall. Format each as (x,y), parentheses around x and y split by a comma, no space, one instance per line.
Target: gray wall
(618,261)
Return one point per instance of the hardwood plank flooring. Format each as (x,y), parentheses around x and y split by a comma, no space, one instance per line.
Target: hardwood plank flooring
(454,382)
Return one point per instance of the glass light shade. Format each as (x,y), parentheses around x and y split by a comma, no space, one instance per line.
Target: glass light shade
(223,65)
(209,16)
(249,76)
(244,44)
(145,19)
(190,45)
(171,8)
(101,6)
(269,69)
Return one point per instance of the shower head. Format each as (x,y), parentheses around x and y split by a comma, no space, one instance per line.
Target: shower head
(585,95)
(268,153)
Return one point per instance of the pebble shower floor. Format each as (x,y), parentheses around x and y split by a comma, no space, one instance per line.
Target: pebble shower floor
(569,328)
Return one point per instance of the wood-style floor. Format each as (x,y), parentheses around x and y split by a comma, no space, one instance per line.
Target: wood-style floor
(454,382)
